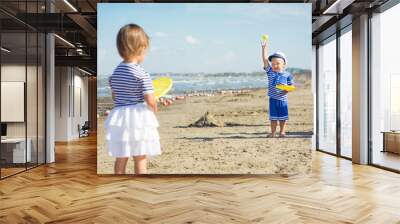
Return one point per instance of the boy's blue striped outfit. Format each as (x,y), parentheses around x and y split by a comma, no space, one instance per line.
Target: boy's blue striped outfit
(278,101)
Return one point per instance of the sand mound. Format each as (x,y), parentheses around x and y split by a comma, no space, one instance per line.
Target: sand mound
(207,120)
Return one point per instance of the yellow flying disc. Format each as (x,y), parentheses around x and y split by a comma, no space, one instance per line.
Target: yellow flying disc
(162,86)
(285,87)
(264,37)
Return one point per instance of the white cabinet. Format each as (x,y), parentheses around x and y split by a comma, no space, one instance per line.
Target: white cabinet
(17,146)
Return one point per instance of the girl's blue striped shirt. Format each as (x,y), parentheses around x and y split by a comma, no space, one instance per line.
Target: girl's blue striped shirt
(129,83)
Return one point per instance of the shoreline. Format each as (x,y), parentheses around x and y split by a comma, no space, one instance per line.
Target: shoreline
(204,92)
(216,92)
(105,103)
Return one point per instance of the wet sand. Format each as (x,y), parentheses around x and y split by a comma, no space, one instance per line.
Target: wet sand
(239,146)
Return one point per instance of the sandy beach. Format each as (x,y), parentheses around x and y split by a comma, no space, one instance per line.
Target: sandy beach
(238,145)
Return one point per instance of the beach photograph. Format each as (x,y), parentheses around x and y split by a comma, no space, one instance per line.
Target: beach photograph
(215,117)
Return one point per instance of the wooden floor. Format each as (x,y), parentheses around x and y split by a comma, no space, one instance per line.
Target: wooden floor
(10,171)
(70,191)
(387,159)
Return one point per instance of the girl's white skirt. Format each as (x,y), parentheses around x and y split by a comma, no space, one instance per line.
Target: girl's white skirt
(132,131)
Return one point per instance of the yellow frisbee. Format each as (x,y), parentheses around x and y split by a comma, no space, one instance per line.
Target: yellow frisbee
(285,87)
(162,86)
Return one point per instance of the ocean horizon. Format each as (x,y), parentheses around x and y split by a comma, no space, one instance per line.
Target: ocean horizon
(204,82)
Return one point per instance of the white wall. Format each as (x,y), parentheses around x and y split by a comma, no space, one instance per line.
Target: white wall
(62,80)
(33,126)
(70,83)
(81,89)
(14,73)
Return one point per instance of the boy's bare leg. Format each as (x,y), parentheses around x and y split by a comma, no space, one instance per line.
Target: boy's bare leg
(282,126)
(140,164)
(273,128)
(120,165)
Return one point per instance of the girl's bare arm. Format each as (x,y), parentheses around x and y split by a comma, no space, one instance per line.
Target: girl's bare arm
(151,102)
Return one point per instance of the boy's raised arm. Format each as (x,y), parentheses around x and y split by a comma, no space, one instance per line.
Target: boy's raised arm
(264,49)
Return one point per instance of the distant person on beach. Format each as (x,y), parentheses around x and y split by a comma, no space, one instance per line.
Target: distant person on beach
(131,127)
(274,65)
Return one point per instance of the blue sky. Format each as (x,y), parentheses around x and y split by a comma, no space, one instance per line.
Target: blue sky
(210,38)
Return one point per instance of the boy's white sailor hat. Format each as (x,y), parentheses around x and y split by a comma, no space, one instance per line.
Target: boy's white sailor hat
(278,54)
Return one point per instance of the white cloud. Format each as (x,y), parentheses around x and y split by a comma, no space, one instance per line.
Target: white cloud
(161,34)
(191,40)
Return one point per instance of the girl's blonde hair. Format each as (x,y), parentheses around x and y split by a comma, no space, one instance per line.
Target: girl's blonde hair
(131,40)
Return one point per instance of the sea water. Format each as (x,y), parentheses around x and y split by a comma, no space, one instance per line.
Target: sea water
(203,82)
